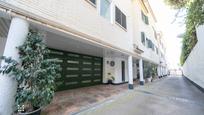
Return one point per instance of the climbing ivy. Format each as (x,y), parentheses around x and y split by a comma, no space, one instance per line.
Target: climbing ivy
(34,73)
(177,4)
(194,18)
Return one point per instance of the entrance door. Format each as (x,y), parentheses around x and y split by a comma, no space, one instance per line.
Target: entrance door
(123,70)
(78,70)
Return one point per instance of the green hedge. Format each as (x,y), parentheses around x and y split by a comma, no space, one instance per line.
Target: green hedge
(195,17)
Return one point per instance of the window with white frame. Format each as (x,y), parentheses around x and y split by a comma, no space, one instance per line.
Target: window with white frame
(153,46)
(157,51)
(105,9)
(150,44)
(143,38)
(145,18)
(120,18)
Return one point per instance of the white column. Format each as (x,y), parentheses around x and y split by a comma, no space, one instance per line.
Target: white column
(161,71)
(134,71)
(164,70)
(130,72)
(158,70)
(16,36)
(141,72)
(104,70)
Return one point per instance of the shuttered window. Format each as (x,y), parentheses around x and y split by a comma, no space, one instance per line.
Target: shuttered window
(123,20)
(118,15)
(120,18)
(145,18)
(157,51)
(93,2)
(150,44)
(153,47)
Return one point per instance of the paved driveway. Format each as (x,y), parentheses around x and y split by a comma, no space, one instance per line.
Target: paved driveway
(70,101)
(170,96)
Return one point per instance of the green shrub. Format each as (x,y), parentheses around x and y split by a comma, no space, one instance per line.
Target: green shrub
(34,73)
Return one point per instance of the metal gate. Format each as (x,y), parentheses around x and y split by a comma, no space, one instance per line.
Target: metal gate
(78,70)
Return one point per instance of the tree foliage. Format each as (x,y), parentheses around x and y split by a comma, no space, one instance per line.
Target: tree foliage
(194,18)
(177,4)
(34,73)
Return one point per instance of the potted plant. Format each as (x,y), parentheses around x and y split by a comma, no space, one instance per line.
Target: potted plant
(110,78)
(34,73)
(154,73)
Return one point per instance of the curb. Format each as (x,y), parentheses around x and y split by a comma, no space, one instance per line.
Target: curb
(196,85)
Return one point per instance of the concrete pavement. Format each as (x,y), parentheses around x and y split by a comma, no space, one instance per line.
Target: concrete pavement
(169,96)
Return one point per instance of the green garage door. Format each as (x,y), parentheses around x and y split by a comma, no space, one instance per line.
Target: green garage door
(78,70)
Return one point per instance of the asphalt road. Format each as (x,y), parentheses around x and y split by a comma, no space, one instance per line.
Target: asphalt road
(169,96)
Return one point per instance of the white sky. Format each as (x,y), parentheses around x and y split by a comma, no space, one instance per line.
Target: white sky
(165,16)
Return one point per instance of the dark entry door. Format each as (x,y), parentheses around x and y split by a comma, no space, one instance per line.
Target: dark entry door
(78,70)
(123,70)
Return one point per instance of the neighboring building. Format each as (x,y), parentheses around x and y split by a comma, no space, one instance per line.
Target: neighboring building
(93,39)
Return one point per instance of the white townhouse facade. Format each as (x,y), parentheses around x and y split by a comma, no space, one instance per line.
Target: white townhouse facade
(94,39)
